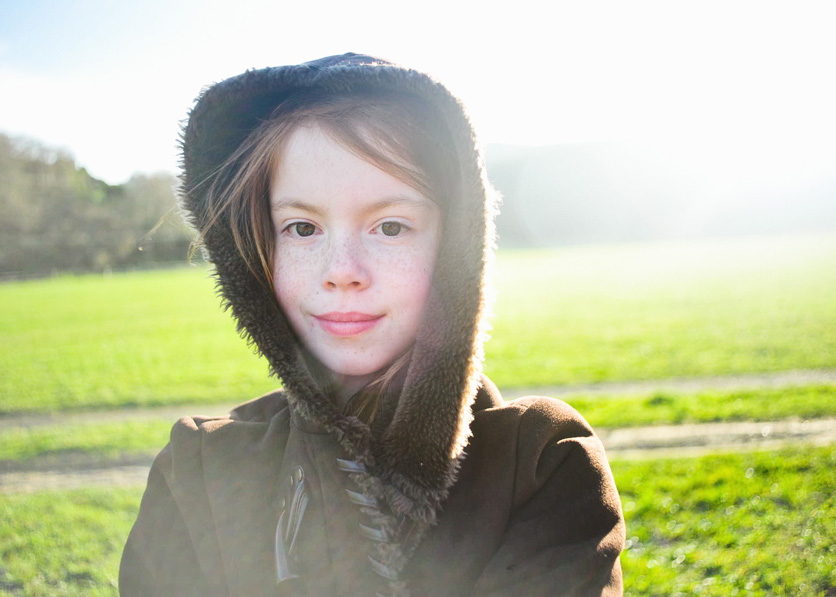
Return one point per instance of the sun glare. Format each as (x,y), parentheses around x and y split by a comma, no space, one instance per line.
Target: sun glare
(718,77)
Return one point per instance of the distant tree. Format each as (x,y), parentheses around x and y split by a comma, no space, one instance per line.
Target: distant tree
(56,217)
(162,234)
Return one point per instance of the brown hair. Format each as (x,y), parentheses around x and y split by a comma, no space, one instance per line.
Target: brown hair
(396,131)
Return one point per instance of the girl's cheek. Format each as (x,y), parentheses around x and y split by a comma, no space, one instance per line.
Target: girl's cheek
(291,253)
(413,267)
(293,267)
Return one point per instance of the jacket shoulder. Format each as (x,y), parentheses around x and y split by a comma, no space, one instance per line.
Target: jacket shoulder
(565,526)
(202,447)
(535,422)
(261,409)
(173,547)
(551,416)
(548,437)
(193,436)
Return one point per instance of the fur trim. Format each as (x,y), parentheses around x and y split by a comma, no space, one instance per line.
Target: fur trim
(414,461)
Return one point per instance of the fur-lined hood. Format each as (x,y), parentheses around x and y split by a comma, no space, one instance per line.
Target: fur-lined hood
(532,509)
(413,451)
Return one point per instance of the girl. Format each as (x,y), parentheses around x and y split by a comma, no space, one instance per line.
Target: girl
(344,206)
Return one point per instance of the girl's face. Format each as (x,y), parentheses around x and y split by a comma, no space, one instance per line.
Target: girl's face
(355,252)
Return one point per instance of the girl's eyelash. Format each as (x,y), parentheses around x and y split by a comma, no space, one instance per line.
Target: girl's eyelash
(400,227)
(303,229)
(310,228)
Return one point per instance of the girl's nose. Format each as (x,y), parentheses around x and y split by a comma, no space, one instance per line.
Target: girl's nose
(346,266)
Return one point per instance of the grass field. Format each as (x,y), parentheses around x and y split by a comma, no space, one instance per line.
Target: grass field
(749,524)
(665,310)
(113,439)
(753,524)
(563,316)
(745,524)
(154,337)
(107,440)
(764,404)
(64,542)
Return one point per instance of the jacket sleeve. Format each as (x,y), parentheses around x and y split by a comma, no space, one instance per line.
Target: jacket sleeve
(159,557)
(566,528)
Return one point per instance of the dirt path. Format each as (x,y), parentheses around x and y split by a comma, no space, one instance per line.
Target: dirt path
(117,476)
(685,385)
(696,439)
(82,470)
(678,385)
(628,443)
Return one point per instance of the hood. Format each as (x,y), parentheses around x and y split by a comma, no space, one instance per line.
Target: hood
(413,452)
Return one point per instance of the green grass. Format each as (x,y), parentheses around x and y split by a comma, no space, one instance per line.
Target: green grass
(665,310)
(765,404)
(105,440)
(563,316)
(748,524)
(64,542)
(113,439)
(751,524)
(144,338)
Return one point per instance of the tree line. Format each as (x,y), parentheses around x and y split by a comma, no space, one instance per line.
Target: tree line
(54,216)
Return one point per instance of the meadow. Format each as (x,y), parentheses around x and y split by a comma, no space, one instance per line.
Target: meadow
(135,438)
(562,317)
(733,524)
(754,523)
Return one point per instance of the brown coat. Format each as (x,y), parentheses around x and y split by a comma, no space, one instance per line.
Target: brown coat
(448,492)
(534,510)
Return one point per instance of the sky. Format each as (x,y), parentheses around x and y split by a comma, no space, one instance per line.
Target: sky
(751,82)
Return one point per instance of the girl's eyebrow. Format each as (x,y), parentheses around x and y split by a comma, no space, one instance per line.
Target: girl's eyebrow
(420,202)
(405,200)
(295,204)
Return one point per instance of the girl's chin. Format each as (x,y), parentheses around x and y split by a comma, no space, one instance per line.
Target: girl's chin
(355,368)
(345,386)
(355,373)
(356,377)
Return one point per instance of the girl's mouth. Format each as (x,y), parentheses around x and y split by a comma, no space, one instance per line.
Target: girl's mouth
(347,324)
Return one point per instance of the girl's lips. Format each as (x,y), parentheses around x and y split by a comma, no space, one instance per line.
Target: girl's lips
(347,324)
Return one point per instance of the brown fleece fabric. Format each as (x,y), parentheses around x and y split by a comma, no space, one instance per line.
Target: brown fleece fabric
(534,510)
(466,495)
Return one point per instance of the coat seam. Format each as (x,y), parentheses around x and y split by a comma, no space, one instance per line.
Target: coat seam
(212,511)
(514,490)
(312,460)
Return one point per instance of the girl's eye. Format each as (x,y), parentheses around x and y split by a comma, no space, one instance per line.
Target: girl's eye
(303,228)
(391,228)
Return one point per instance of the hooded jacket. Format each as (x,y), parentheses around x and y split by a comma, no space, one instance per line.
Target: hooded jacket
(450,491)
